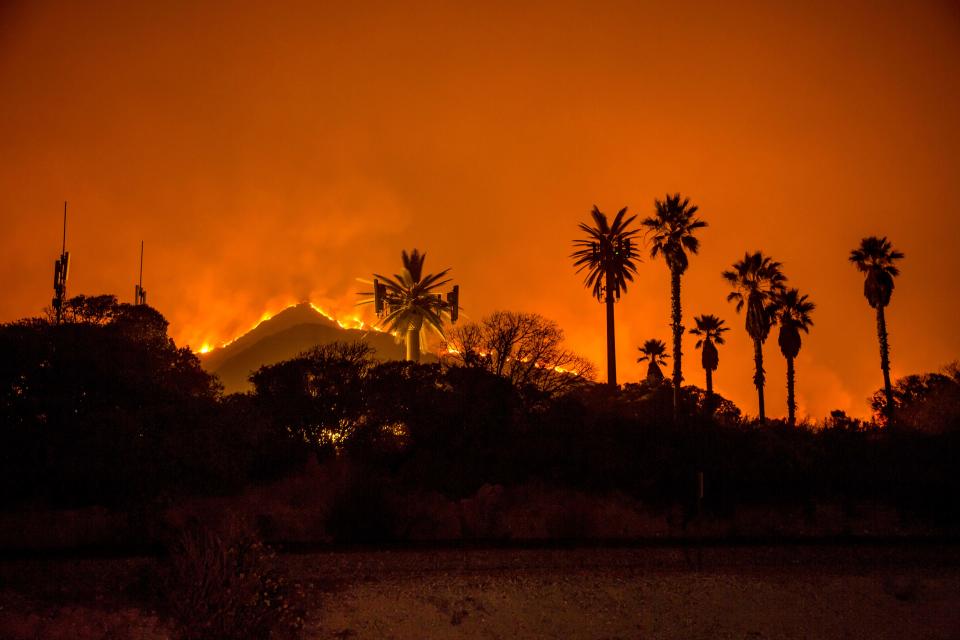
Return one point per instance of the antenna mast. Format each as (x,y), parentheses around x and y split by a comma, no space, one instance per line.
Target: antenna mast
(139,293)
(61,269)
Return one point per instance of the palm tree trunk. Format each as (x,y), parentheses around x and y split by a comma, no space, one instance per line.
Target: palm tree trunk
(709,406)
(611,343)
(677,341)
(791,402)
(758,378)
(413,345)
(885,361)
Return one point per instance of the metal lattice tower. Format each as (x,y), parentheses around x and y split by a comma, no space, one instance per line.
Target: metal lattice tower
(139,293)
(61,269)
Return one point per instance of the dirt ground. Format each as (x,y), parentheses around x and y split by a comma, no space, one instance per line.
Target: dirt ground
(742,592)
(639,593)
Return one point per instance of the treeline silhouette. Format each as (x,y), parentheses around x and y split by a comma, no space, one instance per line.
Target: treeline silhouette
(104,409)
(608,252)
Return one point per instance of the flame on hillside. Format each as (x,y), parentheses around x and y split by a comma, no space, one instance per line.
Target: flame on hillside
(344,321)
(350,321)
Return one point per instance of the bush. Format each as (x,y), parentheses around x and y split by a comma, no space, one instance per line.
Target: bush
(225,584)
(360,509)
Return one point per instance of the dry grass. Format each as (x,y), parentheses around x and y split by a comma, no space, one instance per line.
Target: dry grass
(642,593)
(772,592)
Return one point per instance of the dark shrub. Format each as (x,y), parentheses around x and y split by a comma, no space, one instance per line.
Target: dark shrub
(360,511)
(225,584)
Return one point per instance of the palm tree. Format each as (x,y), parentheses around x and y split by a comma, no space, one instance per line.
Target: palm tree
(756,279)
(608,256)
(792,312)
(875,257)
(671,231)
(709,331)
(408,304)
(656,352)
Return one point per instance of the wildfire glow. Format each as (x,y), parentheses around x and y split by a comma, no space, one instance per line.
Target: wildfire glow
(451,350)
(347,322)
(321,311)
(351,322)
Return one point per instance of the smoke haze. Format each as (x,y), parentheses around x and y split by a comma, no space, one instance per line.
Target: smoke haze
(272,154)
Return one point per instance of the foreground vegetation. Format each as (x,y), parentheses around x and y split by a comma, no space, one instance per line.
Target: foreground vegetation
(105,410)
(114,438)
(769,592)
(608,253)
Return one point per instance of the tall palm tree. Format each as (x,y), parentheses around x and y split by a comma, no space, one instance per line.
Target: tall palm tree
(792,312)
(709,332)
(671,231)
(875,258)
(607,254)
(656,352)
(756,279)
(408,303)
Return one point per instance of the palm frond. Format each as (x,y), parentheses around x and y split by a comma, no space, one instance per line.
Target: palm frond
(671,230)
(411,301)
(607,254)
(756,279)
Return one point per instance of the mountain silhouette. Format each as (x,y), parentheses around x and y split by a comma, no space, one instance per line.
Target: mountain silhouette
(285,335)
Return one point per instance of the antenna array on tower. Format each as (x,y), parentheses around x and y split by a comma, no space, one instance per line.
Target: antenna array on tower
(139,293)
(61,269)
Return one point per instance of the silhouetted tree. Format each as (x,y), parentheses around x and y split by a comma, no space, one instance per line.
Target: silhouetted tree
(875,257)
(656,352)
(85,309)
(413,305)
(105,412)
(792,313)
(525,348)
(319,395)
(608,256)
(756,279)
(928,402)
(671,231)
(397,396)
(142,323)
(838,419)
(718,408)
(709,332)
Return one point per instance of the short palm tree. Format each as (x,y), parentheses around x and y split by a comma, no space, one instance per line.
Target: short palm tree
(608,255)
(408,303)
(792,313)
(709,332)
(671,231)
(875,258)
(756,279)
(656,352)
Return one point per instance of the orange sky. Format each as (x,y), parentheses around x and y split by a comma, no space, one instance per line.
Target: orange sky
(270,154)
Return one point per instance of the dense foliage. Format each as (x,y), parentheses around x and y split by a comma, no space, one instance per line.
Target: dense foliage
(105,409)
(111,412)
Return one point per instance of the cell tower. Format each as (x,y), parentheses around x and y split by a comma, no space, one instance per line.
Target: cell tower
(61,268)
(379,297)
(453,303)
(139,293)
(621,248)
(382,301)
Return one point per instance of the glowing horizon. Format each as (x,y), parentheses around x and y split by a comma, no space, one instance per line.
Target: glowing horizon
(271,154)
(347,322)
